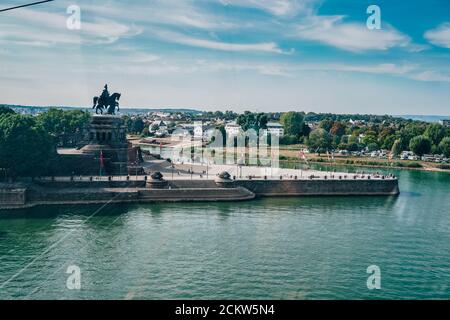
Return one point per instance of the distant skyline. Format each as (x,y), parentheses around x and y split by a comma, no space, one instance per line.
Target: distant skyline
(271,56)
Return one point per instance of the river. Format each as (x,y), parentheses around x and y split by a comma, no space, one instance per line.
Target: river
(283,248)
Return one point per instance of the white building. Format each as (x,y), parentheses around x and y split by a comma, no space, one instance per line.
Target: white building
(232,129)
(446,123)
(203,131)
(159,128)
(275,129)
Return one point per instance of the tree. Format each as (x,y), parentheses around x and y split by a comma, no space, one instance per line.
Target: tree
(5,110)
(293,123)
(370,138)
(25,147)
(372,146)
(338,129)
(319,140)
(326,124)
(137,126)
(154,127)
(435,132)
(250,120)
(444,146)
(408,132)
(64,125)
(128,123)
(420,145)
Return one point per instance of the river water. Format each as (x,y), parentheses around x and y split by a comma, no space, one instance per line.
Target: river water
(283,248)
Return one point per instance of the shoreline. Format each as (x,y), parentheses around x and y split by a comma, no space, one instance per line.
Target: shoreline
(287,153)
(425,169)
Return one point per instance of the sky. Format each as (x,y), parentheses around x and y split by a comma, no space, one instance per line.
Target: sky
(266,56)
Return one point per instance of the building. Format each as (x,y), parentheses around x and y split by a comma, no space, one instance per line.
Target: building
(159,128)
(203,131)
(446,123)
(232,129)
(275,129)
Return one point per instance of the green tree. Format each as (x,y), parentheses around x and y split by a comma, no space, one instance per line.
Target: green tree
(409,131)
(128,123)
(137,126)
(372,146)
(64,126)
(25,147)
(250,120)
(5,110)
(293,123)
(326,124)
(319,140)
(444,146)
(435,132)
(420,145)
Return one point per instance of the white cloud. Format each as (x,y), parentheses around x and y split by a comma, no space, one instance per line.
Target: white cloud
(440,36)
(40,28)
(276,7)
(430,75)
(179,38)
(167,12)
(355,37)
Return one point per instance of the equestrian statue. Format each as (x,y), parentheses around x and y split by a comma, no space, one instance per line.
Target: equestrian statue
(106,101)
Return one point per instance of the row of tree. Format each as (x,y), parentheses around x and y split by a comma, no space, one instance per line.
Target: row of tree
(401,135)
(28,144)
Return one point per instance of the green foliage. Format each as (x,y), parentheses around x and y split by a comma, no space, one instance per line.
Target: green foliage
(444,146)
(372,146)
(413,165)
(56,121)
(420,145)
(137,126)
(371,138)
(352,147)
(326,124)
(293,123)
(5,110)
(155,127)
(411,130)
(128,123)
(435,132)
(319,140)
(25,147)
(250,120)
(289,139)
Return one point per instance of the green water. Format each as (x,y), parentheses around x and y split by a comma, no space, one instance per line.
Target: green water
(304,248)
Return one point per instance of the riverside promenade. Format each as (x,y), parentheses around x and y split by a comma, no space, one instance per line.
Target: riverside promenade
(193,182)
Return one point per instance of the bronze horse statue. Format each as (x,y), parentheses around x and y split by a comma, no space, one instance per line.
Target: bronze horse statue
(111,103)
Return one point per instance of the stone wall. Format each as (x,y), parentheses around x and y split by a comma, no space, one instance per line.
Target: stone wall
(12,197)
(77,192)
(320,187)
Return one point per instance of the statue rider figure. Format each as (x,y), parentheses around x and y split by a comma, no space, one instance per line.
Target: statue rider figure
(105,95)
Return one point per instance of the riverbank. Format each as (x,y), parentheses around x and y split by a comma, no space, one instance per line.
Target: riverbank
(190,183)
(291,155)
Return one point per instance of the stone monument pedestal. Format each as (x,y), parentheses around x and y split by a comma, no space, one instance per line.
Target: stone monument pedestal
(106,136)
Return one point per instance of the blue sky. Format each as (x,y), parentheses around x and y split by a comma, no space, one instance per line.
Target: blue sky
(279,55)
